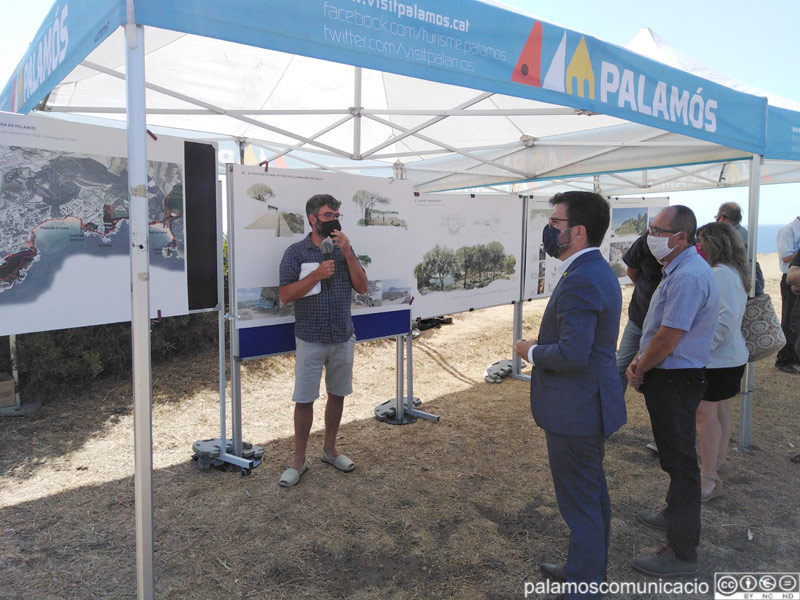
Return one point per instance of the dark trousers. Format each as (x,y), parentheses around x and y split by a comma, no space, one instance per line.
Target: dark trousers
(582,495)
(672,397)
(787,355)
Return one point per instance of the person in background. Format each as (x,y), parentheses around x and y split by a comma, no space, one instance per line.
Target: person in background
(645,273)
(576,396)
(731,213)
(723,249)
(793,281)
(788,245)
(320,284)
(670,371)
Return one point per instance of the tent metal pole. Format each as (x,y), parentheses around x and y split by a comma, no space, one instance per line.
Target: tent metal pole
(234,361)
(140,318)
(745,440)
(409,373)
(400,362)
(357,113)
(222,319)
(516,361)
(411,401)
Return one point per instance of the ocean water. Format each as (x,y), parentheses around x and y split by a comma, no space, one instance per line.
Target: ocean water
(767,235)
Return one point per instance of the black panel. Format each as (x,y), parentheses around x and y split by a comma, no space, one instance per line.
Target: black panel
(201,224)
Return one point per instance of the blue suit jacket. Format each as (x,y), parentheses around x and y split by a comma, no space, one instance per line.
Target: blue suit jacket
(575,386)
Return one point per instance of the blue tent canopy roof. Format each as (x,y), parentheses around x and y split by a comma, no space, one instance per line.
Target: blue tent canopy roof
(521,63)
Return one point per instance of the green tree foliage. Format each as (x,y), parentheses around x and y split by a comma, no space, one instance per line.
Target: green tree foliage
(51,360)
(633,226)
(466,262)
(365,260)
(442,262)
(469,266)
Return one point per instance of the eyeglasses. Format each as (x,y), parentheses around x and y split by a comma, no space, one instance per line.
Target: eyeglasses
(720,217)
(553,220)
(657,231)
(329,216)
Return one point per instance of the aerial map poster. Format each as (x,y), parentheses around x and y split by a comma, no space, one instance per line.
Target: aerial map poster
(64,235)
(268,215)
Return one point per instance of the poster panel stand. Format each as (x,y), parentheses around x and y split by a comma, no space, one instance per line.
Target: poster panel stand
(233,453)
(400,409)
(516,361)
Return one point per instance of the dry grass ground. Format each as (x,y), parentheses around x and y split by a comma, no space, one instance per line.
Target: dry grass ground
(462,508)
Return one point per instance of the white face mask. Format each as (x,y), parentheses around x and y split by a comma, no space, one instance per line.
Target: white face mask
(659,247)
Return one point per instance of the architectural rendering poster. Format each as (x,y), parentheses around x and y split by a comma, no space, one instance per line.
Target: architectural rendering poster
(466,252)
(269,215)
(64,236)
(541,269)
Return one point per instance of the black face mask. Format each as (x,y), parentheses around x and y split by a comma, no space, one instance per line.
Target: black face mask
(324,228)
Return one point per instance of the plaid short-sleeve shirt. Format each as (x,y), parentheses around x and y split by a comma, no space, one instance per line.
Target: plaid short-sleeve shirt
(325,317)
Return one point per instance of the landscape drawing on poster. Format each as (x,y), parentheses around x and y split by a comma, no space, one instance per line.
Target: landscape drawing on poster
(64,231)
(467,252)
(268,215)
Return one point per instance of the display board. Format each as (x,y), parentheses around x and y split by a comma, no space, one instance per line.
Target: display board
(466,252)
(64,237)
(629,219)
(437,253)
(268,215)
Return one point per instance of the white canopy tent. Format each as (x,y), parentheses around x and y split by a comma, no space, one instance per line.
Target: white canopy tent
(364,120)
(463,93)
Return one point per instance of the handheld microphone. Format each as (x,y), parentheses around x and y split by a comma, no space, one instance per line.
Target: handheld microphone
(327,250)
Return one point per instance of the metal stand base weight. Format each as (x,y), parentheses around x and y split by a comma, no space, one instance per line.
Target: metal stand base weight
(400,409)
(208,453)
(387,412)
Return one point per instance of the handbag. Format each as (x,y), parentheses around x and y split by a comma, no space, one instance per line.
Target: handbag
(761,328)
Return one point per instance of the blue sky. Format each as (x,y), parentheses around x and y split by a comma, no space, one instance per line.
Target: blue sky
(754,42)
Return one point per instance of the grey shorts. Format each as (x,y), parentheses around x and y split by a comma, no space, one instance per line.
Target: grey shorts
(309,360)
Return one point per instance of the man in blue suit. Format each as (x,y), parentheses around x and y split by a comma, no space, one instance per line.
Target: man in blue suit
(576,393)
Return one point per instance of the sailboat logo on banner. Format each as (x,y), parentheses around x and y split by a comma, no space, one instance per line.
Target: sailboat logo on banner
(576,78)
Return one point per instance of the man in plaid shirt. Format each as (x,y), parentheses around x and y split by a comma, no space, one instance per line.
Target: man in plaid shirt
(320,286)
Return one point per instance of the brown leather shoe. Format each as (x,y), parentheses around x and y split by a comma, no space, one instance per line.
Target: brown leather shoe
(663,563)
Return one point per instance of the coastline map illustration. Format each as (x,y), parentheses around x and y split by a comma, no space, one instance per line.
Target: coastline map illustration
(57,204)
